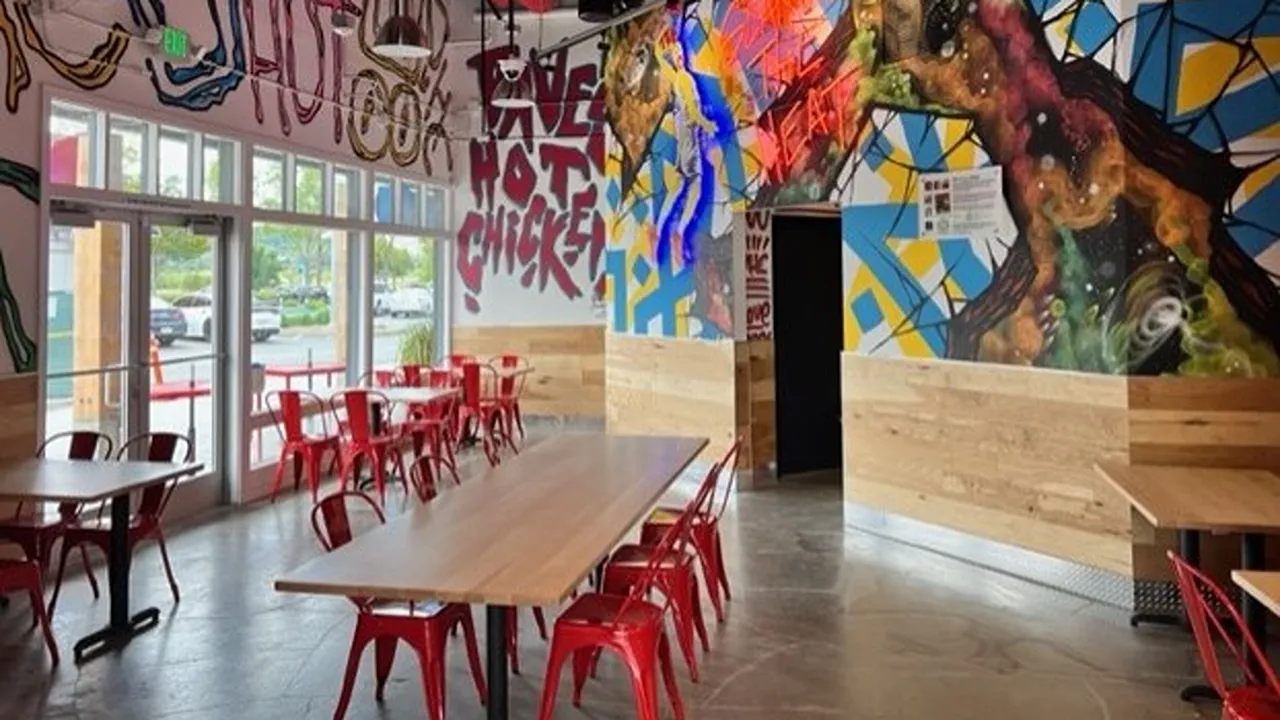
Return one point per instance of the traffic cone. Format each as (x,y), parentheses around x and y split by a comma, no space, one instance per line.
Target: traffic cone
(157,372)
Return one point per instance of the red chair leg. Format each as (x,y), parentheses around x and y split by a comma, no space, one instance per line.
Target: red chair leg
(513,639)
(669,676)
(679,589)
(541,620)
(88,571)
(299,463)
(433,678)
(642,668)
(704,542)
(724,575)
(385,655)
(314,457)
(560,651)
(279,476)
(473,653)
(57,582)
(359,640)
(168,569)
(583,659)
(519,418)
(695,602)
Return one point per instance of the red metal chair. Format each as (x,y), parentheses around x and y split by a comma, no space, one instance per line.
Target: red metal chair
(424,627)
(513,634)
(428,426)
(306,451)
(423,479)
(481,406)
(359,441)
(674,575)
(511,389)
(145,523)
(458,360)
(706,532)
(1257,698)
(629,625)
(26,575)
(36,534)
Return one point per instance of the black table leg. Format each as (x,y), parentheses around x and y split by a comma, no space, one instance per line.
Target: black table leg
(1189,549)
(1253,548)
(496,652)
(122,627)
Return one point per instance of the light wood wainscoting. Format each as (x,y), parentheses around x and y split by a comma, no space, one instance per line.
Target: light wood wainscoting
(757,408)
(665,386)
(568,362)
(1001,452)
(20,398)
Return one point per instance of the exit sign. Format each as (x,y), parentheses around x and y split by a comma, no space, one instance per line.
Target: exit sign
(174,42)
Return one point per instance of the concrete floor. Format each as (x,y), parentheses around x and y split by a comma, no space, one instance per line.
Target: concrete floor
(826,622)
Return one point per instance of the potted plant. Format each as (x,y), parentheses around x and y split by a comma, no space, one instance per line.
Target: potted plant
(417,345)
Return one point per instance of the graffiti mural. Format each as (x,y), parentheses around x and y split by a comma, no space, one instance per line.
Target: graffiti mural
(23,351)
(21,36)
(535,197)
(1136,231)
(398,109)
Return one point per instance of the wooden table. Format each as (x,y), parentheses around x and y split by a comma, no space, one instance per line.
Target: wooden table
(524,533)
(81,481)
(407,395)
(1193,499)
(1263,586)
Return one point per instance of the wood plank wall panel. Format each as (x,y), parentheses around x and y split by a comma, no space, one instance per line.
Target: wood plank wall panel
(757,404)
(1001,452)
(568,361)
(665,386)
(1229,422)
(20,399)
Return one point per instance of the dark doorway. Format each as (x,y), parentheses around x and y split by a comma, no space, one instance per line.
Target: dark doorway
(808,336)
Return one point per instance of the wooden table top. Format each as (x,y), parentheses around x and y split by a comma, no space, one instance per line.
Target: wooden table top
(1199,498)
(527,532)
(409,394)
(82,480)
(1262,585)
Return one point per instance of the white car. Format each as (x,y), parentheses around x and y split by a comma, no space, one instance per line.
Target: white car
(198,310)
(410,302)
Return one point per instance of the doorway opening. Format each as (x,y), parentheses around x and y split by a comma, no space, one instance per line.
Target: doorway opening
(808,339)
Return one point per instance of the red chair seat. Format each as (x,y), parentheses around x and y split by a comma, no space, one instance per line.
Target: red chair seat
(640,555)
(1250,703)
(602,610)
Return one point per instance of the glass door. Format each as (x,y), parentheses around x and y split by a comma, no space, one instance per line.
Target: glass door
(134,337)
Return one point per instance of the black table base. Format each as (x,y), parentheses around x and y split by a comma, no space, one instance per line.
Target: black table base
(1192,693)
(496,658)
(123,626)
(1189,549)
(1253,550)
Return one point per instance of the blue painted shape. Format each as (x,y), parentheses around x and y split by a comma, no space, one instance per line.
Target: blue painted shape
(213,91)
(922,140)
(857,225)
(875,223)
(615,265)
(661,303)
(1093,27)
(867,311)
(613,194)
(640,211)
(641,271)
(1263,225)
(1239,114)
(875,150)
(969,272)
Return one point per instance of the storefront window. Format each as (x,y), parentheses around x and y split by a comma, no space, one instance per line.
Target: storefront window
(405,329)
(268,180)
(219,162)
(308,196)
(175,163)
(73,151)
(348,186)
(127,155)
(384,196)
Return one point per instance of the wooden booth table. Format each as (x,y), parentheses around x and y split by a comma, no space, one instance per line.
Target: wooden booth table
(1263,586)
(1219,500)
(79,481)
(527,532)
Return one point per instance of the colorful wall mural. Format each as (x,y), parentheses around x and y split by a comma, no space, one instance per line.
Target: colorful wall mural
(1136,138)
(530,218)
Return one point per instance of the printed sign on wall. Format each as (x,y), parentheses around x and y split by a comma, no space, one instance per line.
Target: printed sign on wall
(753,249)
(965,203)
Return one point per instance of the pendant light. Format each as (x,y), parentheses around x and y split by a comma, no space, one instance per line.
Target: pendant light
(515,84)
(401,36)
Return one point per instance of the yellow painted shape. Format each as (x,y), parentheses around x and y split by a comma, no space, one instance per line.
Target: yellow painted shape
(1260,179)
(920,257)
(1206,69)
(963,153)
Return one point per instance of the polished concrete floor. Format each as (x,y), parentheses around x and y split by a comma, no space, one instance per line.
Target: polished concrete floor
(826,622)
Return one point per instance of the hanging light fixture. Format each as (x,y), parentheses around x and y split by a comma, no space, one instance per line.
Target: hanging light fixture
(401,36)
(515,84)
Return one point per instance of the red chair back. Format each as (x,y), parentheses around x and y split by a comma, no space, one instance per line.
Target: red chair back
(160,447)
(332,524)
(674,543)
(729,469)
(423,479)
(285,407)
(459,360)
(1204,602)
(471,385)
(509,386)
(440,379)
(411,375)
(82,445)
(358,405)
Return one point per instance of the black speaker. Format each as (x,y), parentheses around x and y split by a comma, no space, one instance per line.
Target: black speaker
(596,11)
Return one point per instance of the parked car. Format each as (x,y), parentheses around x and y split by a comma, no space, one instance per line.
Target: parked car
(167,322)
(381,298)
(198,309)
(410,302)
